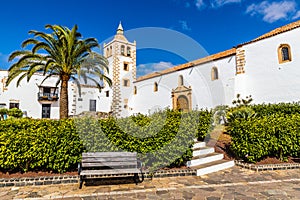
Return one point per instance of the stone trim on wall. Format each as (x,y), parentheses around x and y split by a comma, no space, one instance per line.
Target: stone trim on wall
(240,61)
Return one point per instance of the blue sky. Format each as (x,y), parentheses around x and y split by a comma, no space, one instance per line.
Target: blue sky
(216,25)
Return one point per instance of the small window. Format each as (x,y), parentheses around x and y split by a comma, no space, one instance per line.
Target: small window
(123,50)
(107,52)
(92,105)
(134,90)
(214,73)
(110,52)
(180,80)
(107,93)
(14,105)
(126,66)
(128,51)
(155,87)
(284,53)
(126,83)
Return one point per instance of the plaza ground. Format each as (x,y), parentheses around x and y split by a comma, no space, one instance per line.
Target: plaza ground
(233,183)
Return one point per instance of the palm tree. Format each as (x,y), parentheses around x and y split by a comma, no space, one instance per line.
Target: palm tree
(63,54)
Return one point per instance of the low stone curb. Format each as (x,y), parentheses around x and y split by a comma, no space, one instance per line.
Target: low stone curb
(67,179)
(283,166)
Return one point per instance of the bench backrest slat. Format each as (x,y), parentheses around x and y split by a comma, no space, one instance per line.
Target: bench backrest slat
(111,164)
(109,159)
(109,154)
(113,159)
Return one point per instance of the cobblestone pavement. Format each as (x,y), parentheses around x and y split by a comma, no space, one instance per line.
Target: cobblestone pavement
(234,183)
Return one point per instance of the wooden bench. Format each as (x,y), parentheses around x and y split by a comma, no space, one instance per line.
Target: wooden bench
(115,164)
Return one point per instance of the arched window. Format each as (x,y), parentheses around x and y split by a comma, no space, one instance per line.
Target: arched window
(110,52)
(123,50)
(128,51)
(214,73)
(107,52)
(284,53)
(155,87)
(180,80)
(134,90)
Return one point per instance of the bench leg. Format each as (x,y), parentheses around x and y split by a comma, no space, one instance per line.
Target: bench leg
(136,178)
(80,182)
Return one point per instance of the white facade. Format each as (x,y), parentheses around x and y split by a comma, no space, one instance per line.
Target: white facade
(265,78)
(33,99)
(267,68)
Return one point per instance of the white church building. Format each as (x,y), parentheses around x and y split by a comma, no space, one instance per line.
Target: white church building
(267,68)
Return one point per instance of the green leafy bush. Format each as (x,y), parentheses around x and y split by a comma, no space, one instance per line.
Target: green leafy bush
(270,109)
(162,139)
(27,144)
(15,112)
(276,135)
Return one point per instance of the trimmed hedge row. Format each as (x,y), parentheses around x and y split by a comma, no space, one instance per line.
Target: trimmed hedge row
(275,135)
(271,109)
(27,144)
(162,139)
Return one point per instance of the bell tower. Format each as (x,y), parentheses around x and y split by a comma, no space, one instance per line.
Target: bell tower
(121,55)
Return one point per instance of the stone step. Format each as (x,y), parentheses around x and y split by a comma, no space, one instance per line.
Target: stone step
(203,151)
(203,159)
(199,145)
(213,167)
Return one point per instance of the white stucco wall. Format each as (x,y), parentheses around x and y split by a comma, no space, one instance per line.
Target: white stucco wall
(27,96)
(267,80)
(205,92)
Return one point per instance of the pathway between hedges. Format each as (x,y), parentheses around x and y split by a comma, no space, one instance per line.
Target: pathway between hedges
(234,183)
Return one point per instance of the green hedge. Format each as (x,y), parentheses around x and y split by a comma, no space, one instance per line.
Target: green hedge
(28,144)
(275,135)
(162,139)
(271,109)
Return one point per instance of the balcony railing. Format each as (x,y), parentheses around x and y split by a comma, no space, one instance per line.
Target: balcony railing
(47,96)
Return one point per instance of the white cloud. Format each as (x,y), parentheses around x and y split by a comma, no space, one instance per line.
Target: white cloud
(274,11)
(148,68)
(296,16)
(162,65)
(184,25)
(219,3)
(199,4)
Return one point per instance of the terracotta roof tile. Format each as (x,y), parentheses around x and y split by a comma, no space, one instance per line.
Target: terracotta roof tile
(276,31)
(213,57)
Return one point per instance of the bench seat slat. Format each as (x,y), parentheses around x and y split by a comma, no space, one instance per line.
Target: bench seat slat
(109,164)
(107,172)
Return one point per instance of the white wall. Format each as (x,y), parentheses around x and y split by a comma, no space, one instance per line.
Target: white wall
(27,96)
(267,80)
(205,92)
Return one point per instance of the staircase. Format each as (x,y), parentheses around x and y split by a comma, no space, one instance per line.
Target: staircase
(205,160)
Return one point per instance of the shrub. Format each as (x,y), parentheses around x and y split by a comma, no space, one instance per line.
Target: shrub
(15,112)
(276,135)
(162,139)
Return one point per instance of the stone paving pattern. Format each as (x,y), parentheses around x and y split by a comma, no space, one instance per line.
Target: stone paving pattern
(233,183)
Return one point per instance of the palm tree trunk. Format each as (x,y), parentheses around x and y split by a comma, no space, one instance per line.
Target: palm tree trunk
(64,101)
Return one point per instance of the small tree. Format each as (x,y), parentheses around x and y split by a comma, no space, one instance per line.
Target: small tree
(3,111)
(15,112)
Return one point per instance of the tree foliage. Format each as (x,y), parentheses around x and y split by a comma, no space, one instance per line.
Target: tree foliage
(63,54)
